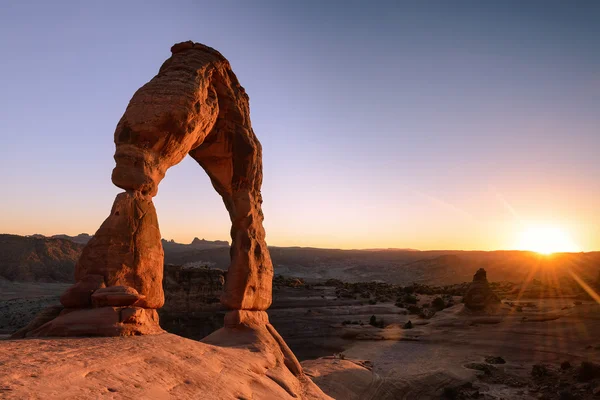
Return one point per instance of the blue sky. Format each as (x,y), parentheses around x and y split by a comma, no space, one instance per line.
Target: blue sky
(384,124)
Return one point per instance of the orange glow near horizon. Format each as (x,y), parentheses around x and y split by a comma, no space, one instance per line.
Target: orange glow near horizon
(546,239)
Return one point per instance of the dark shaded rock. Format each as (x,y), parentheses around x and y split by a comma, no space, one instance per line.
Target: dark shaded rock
(480,296)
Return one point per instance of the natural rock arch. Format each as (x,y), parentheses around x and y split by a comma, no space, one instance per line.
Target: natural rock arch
(196,106)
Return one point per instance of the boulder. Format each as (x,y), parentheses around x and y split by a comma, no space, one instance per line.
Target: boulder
(101,321)
(80,294)
(116,296)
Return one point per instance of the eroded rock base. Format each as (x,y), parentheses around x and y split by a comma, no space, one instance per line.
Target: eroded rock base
(250,333)
(100,321)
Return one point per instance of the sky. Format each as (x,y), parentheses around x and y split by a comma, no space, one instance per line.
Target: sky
(416,124)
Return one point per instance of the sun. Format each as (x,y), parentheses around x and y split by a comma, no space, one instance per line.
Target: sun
(546,239)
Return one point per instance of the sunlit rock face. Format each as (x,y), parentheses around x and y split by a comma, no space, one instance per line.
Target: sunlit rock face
(480,296)
(196,106)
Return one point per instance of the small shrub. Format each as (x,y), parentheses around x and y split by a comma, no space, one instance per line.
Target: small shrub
(373,320)
(588,371)
(565,365)
(495,360)
(372,301)
(451,393)
(413,309)
(408,325)
(566,395)
(334,282)
(539,371)
(410,299)
(438,303)
(485,368)
(426,313)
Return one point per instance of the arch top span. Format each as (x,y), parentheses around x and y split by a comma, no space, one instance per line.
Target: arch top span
(196,105)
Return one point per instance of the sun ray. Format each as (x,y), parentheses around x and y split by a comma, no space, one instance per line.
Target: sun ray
(588,289)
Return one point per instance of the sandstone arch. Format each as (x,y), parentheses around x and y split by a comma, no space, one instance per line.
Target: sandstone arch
(196,106)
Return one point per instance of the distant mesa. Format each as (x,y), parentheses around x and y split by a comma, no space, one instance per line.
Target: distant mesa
(171,246)
(204,242)
(479,296)
(82,238)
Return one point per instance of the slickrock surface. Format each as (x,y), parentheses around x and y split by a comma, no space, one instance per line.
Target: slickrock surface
(346,379)
(249,366)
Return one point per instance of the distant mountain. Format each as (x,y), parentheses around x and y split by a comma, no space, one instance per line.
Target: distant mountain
(404,267)
(170,246)
(53,259)
(34,258)
(82,238)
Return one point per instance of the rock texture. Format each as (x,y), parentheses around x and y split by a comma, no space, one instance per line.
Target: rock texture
(101,321)
(27,259)
(246,364)
(196,106)
(126,250)
(480,296)
(192,308)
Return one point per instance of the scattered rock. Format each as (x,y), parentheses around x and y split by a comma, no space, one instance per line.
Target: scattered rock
(565,365)
(495,360)
(485,368)
(540,371)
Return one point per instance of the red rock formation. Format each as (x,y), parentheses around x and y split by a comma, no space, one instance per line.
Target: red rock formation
(126,250)
(479,295)
(196,106)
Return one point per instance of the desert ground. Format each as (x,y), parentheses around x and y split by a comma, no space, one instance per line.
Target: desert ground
(538,343)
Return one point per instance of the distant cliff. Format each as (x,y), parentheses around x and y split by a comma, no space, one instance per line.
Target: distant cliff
(26,258)
(192,308)
(170,246)
(37,258)
(82,238)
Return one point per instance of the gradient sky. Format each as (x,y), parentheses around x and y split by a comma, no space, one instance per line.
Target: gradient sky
(422,124)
